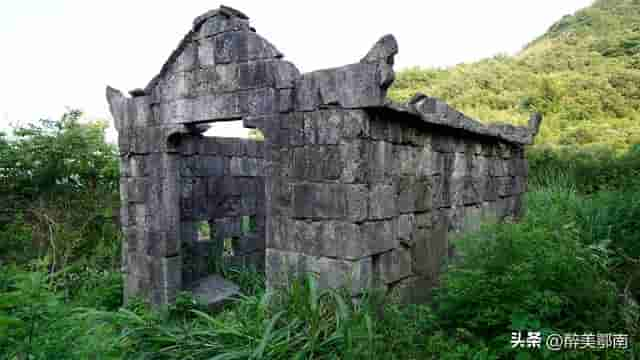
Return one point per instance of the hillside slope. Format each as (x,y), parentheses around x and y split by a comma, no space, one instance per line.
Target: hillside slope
(583,74)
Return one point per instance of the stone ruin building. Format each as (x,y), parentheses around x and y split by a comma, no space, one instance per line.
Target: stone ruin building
(346,184)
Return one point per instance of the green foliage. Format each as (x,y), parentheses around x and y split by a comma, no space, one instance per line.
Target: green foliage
(533,275)
(588,169)
(35,322)
(53,157)
(58,190)
(582,75)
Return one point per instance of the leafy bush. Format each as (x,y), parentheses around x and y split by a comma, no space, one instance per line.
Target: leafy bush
(588,169)
(58,189)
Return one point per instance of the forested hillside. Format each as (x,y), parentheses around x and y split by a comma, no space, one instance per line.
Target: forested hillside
(583,75)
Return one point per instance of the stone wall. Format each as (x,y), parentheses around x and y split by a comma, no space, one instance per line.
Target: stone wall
(368,198)
(222,184)
(348,185)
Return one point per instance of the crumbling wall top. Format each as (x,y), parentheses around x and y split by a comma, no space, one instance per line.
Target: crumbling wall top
(436,112)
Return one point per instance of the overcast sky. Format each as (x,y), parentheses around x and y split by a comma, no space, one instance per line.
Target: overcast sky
(62,53)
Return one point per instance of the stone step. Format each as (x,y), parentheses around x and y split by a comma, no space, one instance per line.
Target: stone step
(214,290)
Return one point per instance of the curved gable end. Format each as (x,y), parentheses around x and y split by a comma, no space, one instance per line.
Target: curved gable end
(221,70)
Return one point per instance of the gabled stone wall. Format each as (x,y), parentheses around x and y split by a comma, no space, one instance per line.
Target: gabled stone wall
(348,185)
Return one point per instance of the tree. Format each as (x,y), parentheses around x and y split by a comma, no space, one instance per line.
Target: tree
(51,157)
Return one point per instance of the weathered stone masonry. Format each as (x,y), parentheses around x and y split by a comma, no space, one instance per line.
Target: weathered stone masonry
(362,191)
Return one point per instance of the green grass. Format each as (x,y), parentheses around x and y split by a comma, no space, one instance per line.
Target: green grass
(570,266)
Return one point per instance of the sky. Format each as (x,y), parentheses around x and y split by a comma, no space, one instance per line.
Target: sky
(60,54)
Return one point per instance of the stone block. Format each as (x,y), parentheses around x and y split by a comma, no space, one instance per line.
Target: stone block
(319,201)
(405,160)
(423,220)
(356,276)
(136,287)
(328,125)
(294,124)
(504,186)
(206,52)
(412,290)
(256,74)
(247,244)
(357,202)
(503,150)
(423,200)
(259,102)
(281,201)
(325,162)
(379,128)
(227,78)
(414,195)
(491,189)
(285,74)
(125,166)
(424,163)
(406,225)
(130,238)
(310,127)
(377,237)
(358,86)
(326,83)
(461,164)
(214,107)
(306,235)
(441,191)
(188,232)
(176,86)
(302,167)
(278,238)
(395,132)
(393,265)
(221,23)
(519,185)
(355,124)
(167,272)
(199,198)
(212,165)
(176,111)
(281,267)
(521,167)
(244,166)
(285,100)
(137,189)
(230,47)
(307,95)
(382,202)
(139,265)
(187,59)
(353,155)
(380,161)
(442,143)
(431,247)
(475,188)
(479,166)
